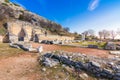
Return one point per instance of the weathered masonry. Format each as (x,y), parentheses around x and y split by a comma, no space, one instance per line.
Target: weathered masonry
(24,31)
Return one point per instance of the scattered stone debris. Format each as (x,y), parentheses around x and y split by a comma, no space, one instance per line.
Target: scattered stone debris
(101,68)
(40,49)
(50,62)
(115,52)
(44,69)
(83,76)
(110,46)
(23,46)
(93,46)
(52,42)
(118,47)
(14,45)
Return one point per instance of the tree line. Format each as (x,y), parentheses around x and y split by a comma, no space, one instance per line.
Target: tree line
(103,34)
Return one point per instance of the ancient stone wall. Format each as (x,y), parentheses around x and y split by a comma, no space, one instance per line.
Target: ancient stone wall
(100,68)
(24,31)
(14,29)
(55,37)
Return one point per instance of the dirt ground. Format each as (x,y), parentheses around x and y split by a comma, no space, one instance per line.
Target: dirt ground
(88,51)
(20,67)
(23,66)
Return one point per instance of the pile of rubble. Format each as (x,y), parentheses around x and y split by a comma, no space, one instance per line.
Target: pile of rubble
(101,68)
(51,42)
(112,46)
(26,47)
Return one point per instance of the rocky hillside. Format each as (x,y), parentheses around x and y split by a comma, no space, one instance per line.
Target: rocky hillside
(11,11)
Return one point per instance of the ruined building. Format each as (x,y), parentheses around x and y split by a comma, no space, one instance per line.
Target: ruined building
(24,31)
(20,31)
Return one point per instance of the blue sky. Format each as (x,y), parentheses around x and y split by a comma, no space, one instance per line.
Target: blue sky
(78,15)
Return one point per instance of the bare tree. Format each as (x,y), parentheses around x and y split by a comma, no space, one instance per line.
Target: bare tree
(118,31)
(106,33)
(85,33)
(100,34)
(91,32)
(67,29)
(113,34)
(75,33)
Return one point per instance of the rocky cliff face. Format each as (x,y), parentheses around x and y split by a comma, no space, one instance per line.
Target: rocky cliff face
(11,11)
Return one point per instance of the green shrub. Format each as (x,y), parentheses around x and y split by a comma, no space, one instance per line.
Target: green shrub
(2,31)
(16,4)
(21,17)
(7,1)
(5,4)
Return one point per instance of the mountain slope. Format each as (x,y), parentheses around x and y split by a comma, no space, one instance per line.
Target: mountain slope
(11,11)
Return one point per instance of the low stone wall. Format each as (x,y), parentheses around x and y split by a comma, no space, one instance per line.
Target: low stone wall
(55,37)
(110,71)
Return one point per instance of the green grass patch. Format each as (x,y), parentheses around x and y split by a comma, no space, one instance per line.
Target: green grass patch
(2,31)
(86,43)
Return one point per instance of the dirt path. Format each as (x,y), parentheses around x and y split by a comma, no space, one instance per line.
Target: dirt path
(88,51)
(21,67)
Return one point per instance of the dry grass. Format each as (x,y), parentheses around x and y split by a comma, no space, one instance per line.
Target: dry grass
(54,73)
(6,51)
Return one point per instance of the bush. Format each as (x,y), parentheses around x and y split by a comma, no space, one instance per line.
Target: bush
(16,4)
(5,4)
(7,1)
(2,31)
(21,17)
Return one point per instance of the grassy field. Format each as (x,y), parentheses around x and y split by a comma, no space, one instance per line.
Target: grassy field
(86,43)
(6,51)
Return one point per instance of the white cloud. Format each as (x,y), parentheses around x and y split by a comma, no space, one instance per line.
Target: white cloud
(93,5)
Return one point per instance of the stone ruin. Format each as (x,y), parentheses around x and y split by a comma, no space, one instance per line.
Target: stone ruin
(24,31)
(105,69)
(26,47)
(110,46)
(19,31)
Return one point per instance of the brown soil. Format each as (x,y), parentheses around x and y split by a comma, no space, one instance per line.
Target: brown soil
(88,51)
(21,67)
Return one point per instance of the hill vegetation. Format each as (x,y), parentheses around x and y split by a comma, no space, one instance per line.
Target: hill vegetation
(12,11)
